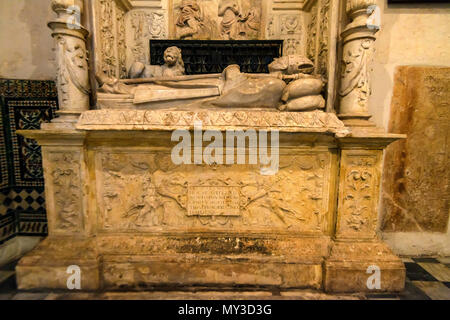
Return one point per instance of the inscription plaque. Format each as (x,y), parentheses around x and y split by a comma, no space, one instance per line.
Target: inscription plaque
(213,201)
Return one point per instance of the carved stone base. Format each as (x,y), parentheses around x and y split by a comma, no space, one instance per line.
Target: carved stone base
(121,209)
(46,266)
(176,262)
(350,265)
(220,263)
(215,272)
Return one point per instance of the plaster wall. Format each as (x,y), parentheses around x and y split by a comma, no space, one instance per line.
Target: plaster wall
(27,45)
(410,35)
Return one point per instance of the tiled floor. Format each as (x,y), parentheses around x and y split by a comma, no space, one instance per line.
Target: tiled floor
(427,279)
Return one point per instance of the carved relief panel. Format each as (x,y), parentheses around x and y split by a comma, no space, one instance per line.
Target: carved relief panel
(358,194)
(110,35)
(142,25)
(318,35)
(306,28)
(147,192)
(217,19)
(64,191)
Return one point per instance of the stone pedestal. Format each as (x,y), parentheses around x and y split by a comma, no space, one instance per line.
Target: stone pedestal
(130,218)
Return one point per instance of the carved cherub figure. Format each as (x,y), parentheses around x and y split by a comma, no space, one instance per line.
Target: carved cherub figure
(229,11)
(173,66)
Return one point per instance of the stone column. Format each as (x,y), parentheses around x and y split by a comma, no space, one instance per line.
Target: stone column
(72,60)
(357,253)
(69,241)
(358,39)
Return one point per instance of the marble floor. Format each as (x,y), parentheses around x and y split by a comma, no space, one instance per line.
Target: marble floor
(427,279)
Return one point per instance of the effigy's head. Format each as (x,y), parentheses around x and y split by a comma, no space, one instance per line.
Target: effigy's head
(172,56)
(291,64)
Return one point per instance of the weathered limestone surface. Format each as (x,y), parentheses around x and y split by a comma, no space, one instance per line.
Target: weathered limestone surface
(131,219)
(127,215)
(153,120)
(346,268)
(416,188)
(72,60)
(357,51)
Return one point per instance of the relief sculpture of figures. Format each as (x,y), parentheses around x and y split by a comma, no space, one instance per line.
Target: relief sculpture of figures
(192,23)
(289,86)
(235,25)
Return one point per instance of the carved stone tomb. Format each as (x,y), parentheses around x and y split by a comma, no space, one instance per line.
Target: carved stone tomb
(131,218)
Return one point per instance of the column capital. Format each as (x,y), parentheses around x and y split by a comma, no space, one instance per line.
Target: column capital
(359,12)
(61,7)
(68,20)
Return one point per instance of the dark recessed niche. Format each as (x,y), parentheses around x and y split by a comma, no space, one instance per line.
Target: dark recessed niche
(212,56)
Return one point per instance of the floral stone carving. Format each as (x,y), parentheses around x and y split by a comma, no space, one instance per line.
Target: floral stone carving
(66,186)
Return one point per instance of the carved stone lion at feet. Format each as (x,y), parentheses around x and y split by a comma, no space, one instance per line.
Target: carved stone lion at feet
(173,66)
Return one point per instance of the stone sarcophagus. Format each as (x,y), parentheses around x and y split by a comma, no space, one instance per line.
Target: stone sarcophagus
(132,219)
(299,210)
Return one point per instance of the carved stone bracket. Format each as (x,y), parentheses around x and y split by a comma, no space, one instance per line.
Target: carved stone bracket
(358,38)
(72,59)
